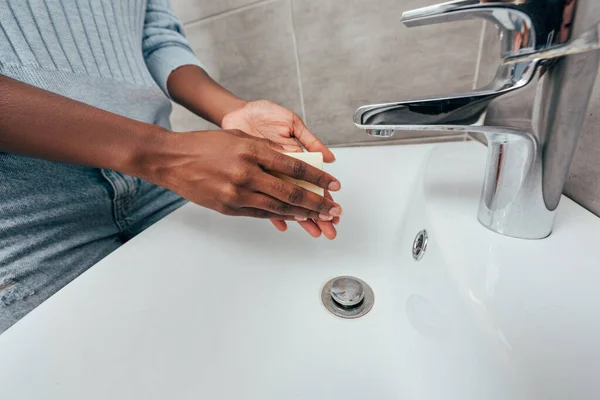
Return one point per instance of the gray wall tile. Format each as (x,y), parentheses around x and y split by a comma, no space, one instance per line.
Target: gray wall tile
(583,185)
(251,53)
(357,52)
(193,10)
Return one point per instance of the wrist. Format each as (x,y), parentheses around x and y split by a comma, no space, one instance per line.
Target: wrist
(194,89)
(232,105)
(148,148)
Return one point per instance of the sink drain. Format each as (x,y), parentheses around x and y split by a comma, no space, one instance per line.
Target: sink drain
(347,297)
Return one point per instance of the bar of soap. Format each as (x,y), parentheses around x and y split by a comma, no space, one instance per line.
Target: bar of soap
(313,158)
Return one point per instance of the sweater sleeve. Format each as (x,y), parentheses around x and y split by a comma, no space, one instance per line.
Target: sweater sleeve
(164,45)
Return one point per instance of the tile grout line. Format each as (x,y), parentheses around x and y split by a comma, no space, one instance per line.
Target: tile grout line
(228,13)
(297,59)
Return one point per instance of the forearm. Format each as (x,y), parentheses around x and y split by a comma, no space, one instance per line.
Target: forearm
(194,89)
(45,125)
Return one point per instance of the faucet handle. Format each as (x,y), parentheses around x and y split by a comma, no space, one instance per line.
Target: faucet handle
(529,29)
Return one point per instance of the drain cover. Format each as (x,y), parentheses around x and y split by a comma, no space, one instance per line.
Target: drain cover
(347,297)
(347,291)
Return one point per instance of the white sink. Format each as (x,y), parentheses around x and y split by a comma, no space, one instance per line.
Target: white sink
(203,306)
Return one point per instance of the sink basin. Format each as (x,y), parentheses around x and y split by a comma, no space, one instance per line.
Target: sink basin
(211,307)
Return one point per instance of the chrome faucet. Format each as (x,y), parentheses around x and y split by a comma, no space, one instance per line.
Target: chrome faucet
(549,63)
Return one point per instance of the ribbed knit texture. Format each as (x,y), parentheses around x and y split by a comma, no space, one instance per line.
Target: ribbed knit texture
(111,54)
(57,220)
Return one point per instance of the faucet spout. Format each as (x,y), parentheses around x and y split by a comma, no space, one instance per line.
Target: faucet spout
(455,113)
(548,54)
(512,191)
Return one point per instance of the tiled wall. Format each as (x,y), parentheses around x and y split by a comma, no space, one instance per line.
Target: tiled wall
(325,58)
(583,185)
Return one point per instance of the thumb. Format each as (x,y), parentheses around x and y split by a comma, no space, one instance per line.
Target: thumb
(310,141)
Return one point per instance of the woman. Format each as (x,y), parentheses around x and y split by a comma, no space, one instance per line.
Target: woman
(87,159)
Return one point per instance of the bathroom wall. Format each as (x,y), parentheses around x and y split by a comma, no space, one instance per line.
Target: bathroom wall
(583,184)
(325,58)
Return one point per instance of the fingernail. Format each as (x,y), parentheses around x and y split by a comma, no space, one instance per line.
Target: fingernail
(301,219)
(324,217)
(335,186)
(336,211)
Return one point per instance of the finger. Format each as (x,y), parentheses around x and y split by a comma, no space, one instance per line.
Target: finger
(292,145)
(279,224)
(275,146)
(271,204)
(311,227)
(260,214)
(328,229)
(244,135)
(336,220)
(297,196)
(294,168)
(310,141)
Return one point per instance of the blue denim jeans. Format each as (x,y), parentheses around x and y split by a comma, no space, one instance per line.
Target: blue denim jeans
(57,220)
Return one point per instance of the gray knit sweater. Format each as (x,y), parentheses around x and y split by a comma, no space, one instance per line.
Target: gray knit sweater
(111,54)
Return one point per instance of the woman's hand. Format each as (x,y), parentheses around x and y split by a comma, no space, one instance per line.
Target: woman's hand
(228,171)
(314,227)
(264,119)
(195,90)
